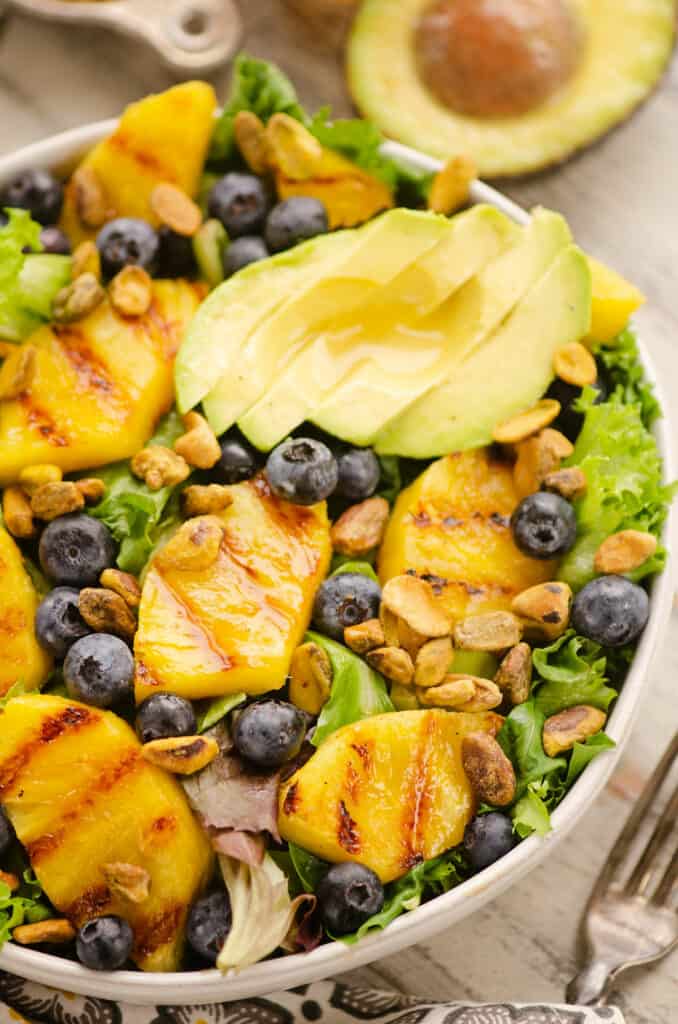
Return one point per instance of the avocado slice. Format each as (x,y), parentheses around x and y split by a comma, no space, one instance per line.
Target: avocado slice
(372,256)
(330,356)
(507,373)
(623,48)
(234,309)
(395,376)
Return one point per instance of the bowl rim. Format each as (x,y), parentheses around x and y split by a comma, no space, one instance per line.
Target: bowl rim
(207,986)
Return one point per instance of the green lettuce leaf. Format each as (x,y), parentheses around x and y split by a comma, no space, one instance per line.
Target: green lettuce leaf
(26,906)
(136,515)
(520,739)
(391,482)
(623,469)
(344,563)
(309,869)
(531,814)
(265,90)
(625,373)
(214,710)
(357,690)
(584,753)
(571,671)
(430,878)
(28,281)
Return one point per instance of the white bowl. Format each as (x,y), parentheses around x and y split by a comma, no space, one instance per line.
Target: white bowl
(59,152)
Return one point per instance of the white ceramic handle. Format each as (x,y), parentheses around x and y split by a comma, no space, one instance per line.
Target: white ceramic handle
(191,36)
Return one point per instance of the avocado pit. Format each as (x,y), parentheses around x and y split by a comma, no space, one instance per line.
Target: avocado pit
(494,58)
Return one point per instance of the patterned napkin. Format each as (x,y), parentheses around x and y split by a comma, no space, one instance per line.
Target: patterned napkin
(325,1002)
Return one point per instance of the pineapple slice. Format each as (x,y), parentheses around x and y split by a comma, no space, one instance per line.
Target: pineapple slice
(453,525)
(80,796)
(23,659)
(99,386)
(232,627)
(162,138)
(387,792)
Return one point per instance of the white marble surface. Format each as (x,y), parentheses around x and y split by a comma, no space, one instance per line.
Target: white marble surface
(621,197)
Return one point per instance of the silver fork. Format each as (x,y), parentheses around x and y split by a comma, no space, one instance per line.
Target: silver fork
(632,914)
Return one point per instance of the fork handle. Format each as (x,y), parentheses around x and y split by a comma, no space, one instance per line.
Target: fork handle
(589,986)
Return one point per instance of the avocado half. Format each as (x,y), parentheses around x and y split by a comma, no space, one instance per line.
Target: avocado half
(623,47)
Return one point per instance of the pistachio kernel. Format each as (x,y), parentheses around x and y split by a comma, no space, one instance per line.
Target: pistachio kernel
(432,662)
(182,755)
(450,694)
(514,675)
(18,372)
(624,551)
(90,197)
(131,291)
(392,662)
(411,599)
(489,631)
(33,477)
(56,930)
(17,513)
(104,611)
(86,259)
(519,427)
(57,499)
(92,489)
(310,678)
(174,208)
(249,132)
(574,725)
(130,881)
(199,445)
(569,483)
(206,499)
(159,467)
(361,527)
(78,299)
(575,365)
(451,186)
(491,774)
(365,636)
(195,545)
(544,609)
(537,457)
(123,584)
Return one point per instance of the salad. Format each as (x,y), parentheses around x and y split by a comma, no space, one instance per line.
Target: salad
(330,504)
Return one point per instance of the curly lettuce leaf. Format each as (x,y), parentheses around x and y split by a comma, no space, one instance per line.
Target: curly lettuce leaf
(357,690)
(531,813)
(520,737)
(583,753)
(26,906)
(625,373)
(623,469)
(28,281)
(570,671)
(265,90)
(136,515)
(430,878)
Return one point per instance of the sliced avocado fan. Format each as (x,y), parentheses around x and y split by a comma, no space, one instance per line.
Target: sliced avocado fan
(612,59)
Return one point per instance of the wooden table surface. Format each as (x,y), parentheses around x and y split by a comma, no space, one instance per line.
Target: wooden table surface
(621,198)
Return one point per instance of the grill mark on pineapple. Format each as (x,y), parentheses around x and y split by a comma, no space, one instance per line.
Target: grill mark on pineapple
(143,157)
(159,832)
(45,846)
(68,721)
(184,609)
(292,799)
(39,419)
(348,836)
(91,372)
(90,903)
(417,805)
(153,932)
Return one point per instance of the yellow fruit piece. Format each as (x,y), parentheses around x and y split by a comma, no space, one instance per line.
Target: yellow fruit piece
(99,387)
(351,195)
(81,796)
(613,301)
(162,138)
(453,524)
(387,792)
(23,659)
(233,626)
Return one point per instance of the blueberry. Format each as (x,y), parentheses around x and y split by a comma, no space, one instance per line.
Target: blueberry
(348,895)
(243,251)
(487,838)
(54,241)
(58,623)
(359,473)
(345,600)
(238,460)
(240,202)
(163,715)
(268,733)
(176,256)
(544,525)
(611,610)
(75,549)
(125,242)
(7,833)
(99,670)
(294,220)
(105,943)
(302,470)
(209,923)
(569,421)
(37,191)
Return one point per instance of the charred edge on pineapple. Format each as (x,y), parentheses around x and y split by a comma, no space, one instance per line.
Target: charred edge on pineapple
(44,846)
(203,637)
(92,373)
(414,822)
(292,800)
(347,830)
(158,930)
(40,421)
(70,720)
(295,520)
(90,903)
(364,753)
(159,831)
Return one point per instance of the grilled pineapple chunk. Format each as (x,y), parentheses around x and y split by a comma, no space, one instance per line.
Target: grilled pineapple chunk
(80,796)
(387,792)
(232,627)
(453,525)
(22,659)
(99,387)
(162,138)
